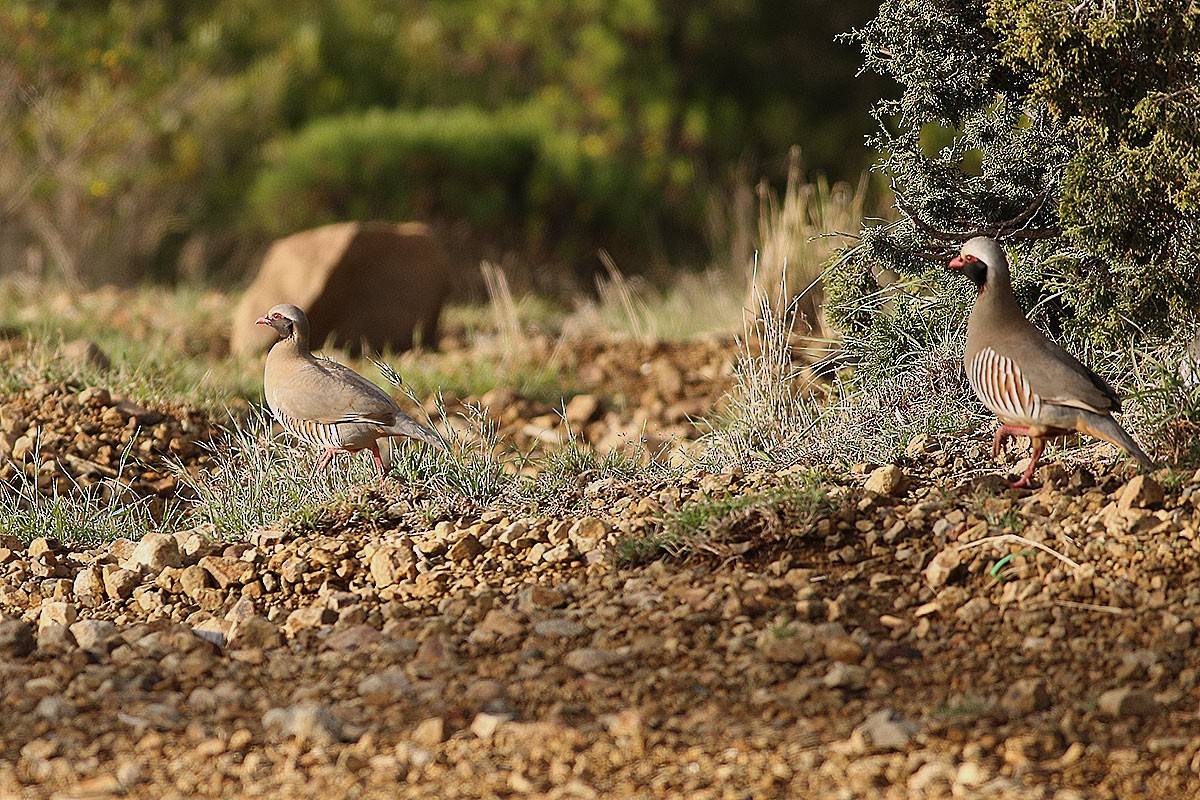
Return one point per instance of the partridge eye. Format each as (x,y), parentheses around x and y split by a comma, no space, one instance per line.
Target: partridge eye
(277,315)
(970,259)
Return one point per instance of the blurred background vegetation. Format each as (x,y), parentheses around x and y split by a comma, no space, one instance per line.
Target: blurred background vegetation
(165,140)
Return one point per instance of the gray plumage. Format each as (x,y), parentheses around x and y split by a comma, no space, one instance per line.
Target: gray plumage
(326,403)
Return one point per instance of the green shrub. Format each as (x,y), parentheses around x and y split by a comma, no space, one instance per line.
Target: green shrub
(1069,133)
(441,164)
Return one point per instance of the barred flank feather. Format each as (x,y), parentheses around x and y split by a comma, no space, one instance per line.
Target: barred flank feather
(1003,389)
(322,434)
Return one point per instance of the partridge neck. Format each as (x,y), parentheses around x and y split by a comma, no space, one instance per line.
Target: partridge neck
(996,307)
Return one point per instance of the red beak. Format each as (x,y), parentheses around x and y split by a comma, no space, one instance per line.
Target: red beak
(262,321)
(957,262)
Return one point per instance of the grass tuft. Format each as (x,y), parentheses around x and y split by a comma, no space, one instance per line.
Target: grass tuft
(84,515)
(730,525)
(258,479)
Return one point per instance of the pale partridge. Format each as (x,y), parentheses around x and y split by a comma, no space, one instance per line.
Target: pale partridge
(325,403)
(1036,388)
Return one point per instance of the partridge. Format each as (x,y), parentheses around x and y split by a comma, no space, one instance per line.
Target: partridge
(325,403)
(1036,388)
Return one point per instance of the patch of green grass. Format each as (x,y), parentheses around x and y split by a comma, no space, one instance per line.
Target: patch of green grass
(165,345)
(967,705)
(1008,519)
(257,479)
(85,515)
(730,524)
(475,372)
(1165,401)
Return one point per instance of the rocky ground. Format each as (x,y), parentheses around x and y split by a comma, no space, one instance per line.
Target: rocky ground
(914,630)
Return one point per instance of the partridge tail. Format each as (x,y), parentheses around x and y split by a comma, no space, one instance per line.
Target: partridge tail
(407,426)
(1105,427)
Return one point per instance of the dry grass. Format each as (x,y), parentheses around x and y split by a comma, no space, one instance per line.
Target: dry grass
(798,234)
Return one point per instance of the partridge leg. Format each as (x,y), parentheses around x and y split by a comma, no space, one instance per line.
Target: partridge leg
(1038,446)
(1003,433)
(378,460)
(326,457)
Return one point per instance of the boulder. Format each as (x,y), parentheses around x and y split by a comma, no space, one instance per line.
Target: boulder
(373,284)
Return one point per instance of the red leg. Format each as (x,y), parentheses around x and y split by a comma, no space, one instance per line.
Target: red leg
(326,457)
(1038,446)
(378,460)
(1003,433)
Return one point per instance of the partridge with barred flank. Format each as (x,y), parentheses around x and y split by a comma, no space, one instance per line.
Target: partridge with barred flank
(1036,388)
(325,403)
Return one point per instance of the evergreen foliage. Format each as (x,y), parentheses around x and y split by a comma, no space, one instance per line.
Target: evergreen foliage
(1069,131)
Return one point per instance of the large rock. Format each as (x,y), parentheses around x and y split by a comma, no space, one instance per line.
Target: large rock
(376,283)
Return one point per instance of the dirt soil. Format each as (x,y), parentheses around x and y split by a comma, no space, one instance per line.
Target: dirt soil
(921,632)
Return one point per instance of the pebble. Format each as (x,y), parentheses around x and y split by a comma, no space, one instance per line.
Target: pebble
(1025,696)
(888,480)
(307,723)
(154,552)
(559,629)
(16,638)
(1128,701)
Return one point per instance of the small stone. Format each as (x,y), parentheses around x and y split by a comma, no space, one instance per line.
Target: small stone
(351,639)
(791,650)
(158,716)
(1025,696)
(119,583)
(429,732)
(591,659)
(227,571)
(384,687)
(559,629)
(498,623)
(587,534)
(887,730)
(40,546)
(465,549)
(1128,702)
(919,445)
(581,409)
(55,638)
(85,351)
(1141,492)
(484,724)
(95,396)
(307,723)
(392,564)
(973,610)
(54,709)
(309,617)
(193,580)
(254,632)
(16,637)
(435,656)
(1054,474)
(88,586)
(63,614)
(93,634)
(538,597)
(155,551)
(23,448)
(845,676)
(843,649)
(942,566)
(888,480)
